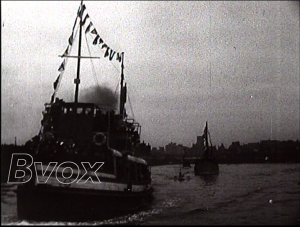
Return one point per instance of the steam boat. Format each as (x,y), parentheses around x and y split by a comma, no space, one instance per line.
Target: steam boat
(207,164)
(84,166)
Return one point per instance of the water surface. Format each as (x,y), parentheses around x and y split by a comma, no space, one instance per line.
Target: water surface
(242,194)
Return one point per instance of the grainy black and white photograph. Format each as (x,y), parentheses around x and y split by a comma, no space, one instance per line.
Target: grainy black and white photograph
(150,113)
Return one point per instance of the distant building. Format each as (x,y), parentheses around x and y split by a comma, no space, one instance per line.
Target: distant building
(175,149)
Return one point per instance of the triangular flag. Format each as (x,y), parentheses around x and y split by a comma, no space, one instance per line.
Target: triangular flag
(94,31)
(66,52)
(88,27)
(100,41)
(96,39)
(56,82)
(71,40)
(106,52)
(119,57)
(80,12)
(111,55)
(62,66)
(84,20)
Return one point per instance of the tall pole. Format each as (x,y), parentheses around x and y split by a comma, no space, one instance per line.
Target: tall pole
(77,80)
(122,90)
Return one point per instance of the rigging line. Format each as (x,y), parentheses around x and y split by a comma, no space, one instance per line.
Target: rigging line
(93,66)
(119,16)
(129,98)
(127,72)
(99,46)
(209,138)
(117,83)
(117,88)
(112,64)
(61,74)
(103,53)
(65,65)
(130,106)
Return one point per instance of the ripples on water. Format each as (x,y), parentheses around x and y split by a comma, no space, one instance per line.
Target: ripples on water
(242,194)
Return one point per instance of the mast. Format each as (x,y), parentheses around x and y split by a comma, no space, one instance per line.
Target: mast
(122,90)
(206,136)
(77,80)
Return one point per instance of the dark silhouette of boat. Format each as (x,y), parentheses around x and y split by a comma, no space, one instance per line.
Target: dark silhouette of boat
(207,164)
(180,176)
(79,137)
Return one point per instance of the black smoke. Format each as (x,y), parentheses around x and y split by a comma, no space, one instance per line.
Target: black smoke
(101,96)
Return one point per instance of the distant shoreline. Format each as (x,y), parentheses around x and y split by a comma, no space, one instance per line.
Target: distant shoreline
(8,150)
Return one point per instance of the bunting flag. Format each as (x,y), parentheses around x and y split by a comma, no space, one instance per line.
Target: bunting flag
(88,27)
(111,55)
(71,39)
(66,52)
(119,57)
(94,31)
(96,39)
(106,52)
(80,11)
(56,82)
(62,66)
(85,18)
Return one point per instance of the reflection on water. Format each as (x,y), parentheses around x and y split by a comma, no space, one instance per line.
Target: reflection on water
(240,194)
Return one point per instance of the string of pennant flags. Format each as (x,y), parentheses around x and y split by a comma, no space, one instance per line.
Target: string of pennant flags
(97,39)
(62,66)
(90,28)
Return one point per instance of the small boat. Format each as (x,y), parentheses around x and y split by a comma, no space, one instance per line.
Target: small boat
(180,177)
(207,164)
(84,165)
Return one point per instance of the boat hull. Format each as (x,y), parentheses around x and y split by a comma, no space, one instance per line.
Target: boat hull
(66,204)
(206,167)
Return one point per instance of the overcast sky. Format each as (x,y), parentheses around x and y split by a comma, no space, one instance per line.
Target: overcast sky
(233,64)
